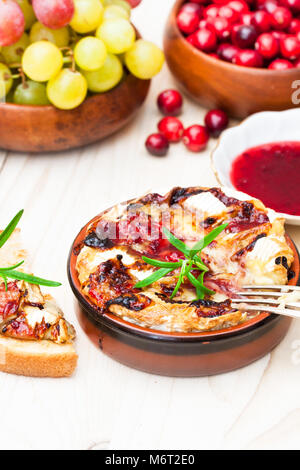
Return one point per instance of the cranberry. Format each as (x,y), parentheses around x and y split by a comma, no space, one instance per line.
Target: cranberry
(281,18)
(248,58)
(192,7)
(238,5)
(211,11)
(205,40)
(261,20)
(227,52)
(244,36)
(245,18)
(221,27)
(278,35)
(195,138)
(267,45)
(280,64)
(290,47)
(216,121)
(187,21)
(226,12)
(191,39)
(294,27)
(214,55)
(200,2)
(207,23)
(157,144)
(293,5)
(297,63)
(170,102)
(171,128)
(267,5)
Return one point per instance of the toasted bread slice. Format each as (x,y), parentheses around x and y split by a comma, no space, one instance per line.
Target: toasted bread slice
(34,358)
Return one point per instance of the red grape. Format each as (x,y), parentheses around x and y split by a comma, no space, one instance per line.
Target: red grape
(12,22)
(53,14)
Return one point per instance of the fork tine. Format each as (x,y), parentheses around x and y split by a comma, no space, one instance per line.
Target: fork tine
(268,293)
(283,288)
(266,301)
(286,311)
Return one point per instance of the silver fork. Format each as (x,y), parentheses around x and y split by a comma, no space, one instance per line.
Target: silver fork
(270,304)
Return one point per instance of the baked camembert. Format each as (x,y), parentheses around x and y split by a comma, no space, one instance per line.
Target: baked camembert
(251,250)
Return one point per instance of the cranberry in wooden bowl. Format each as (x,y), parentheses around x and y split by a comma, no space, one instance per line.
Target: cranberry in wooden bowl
(154,348)
(267,68)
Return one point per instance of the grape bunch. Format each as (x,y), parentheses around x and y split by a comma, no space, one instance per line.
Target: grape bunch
(57,51)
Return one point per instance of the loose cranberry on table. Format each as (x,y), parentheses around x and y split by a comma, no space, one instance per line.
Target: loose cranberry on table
(216,121)
(267,46)
(195,138)
(244,36)
(249,58)
(157,144)
(290,47)
(227,52)
(171,128)
(280,64)
(170,102)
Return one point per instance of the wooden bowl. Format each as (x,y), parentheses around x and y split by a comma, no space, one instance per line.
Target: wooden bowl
(178,354)
(48,129)
(218,84)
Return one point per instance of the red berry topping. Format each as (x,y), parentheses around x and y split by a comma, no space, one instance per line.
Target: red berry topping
(227,52)
(244,36)
(290,47)
(261,20)
(157,144)
(195,138)
(267,46)
(281,18)
(205,39)
(170,102)
(249,58)
(171,128)
(216,121)
(187,21)
(280,64)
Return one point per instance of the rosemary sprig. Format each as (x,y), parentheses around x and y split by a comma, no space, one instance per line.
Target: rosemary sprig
(191,262)
(10,271)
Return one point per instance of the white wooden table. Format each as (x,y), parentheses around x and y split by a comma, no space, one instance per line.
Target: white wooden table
(106,405)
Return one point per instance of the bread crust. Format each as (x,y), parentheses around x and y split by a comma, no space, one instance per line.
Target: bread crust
(37,358)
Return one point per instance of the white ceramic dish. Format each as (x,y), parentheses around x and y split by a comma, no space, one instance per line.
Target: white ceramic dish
(258,129)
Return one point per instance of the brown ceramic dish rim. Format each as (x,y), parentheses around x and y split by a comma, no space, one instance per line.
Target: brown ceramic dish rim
(222,63)
(117,322)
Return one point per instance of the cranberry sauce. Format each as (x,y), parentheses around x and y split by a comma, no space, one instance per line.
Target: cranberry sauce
(271,173)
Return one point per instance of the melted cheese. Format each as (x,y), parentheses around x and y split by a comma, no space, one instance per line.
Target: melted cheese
(205,202)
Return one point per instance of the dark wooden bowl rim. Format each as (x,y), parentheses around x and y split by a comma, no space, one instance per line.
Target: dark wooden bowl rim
(118,323)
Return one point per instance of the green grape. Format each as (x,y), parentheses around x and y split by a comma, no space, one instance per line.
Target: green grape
(120,3)
(67,90)
(27,12)
(31,93)
(118,35)
(41,61)
(115,11)
(13,54)
(6,81)
(90,53)
(107,77)
(144,59)
(87,17)
(60,37)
